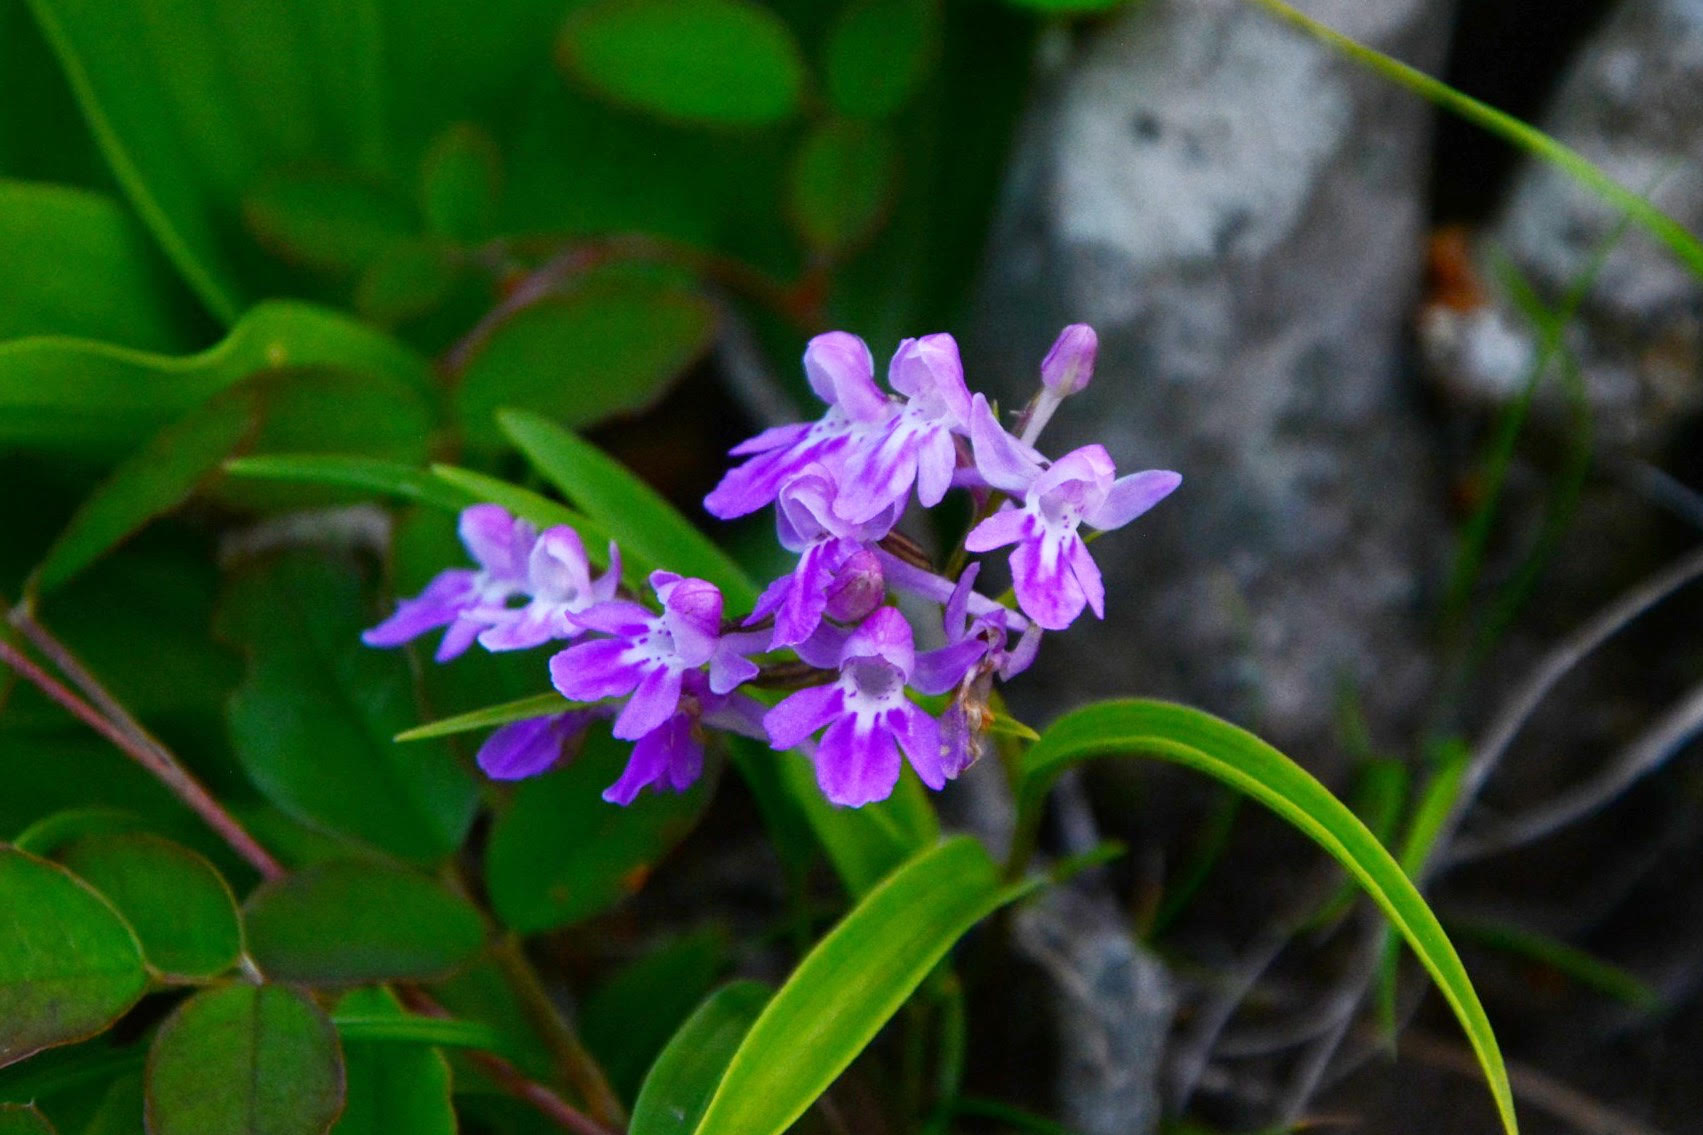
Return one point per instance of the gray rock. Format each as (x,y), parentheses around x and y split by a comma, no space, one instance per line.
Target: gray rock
(1238,212)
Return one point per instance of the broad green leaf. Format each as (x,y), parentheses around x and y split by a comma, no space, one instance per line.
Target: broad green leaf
(351,922)
(560,853)
(330,221)
(459,181)
(120,1110)
(88,396)
(313,720)
(607,346)
(523,709)
(23,1119)
(647,527)
(393,1088)
(153,481)
(78,264)
(42,134)
(718,62)
(407,280)
(846,988)
(180,907)
(841,185)
(524,503)
(878,52)
(48,834)
(626,1021)
(681,1082)
(1238,758)
(69,966)
(385,477)
(254,1059)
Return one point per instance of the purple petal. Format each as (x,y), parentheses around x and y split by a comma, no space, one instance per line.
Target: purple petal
(620,617)
(877,477)
(857,763)
(499,541)
(526,748)
(842,373)
(808,597)
(885,635)
(1069,366)
(937,457)
(667,756)
(857,588)
(441,603)
(770,600)
(729,668)
(655,701)
(930,373)
(1009,525)
(533,625)
(920,735)
(1046,588)
(558,567)
(1004,461)
(1133,495)
(458,638)
(775,437)
(957,612)
(824,647)
(1091,465)
(691,610)
(1086,573)
(802,714)
(737,714)
(960,743)
(1021,656)
(937,671)
(593,671)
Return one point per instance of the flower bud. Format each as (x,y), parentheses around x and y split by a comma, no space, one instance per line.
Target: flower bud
(1070,364)
(858,587)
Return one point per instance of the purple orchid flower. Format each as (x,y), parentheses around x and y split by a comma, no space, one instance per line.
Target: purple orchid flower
(1053,574)
(841,373)
(834,565)
(466,601)
(527,748)
(558,576)
(918,447)
(671,756)
(867,715)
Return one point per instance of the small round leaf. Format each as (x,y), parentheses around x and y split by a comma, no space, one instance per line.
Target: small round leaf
(69,966)
(841,185)
(878,52)
(244,1060)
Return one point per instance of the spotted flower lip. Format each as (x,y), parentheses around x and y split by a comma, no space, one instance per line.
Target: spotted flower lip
(558,575)
(467,602)
(1052,572)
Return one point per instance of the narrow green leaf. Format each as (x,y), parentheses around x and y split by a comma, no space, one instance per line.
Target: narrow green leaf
(841,185)
(679,1086)
(393,1089)
(850,984)
(523,709)
(719,62)
(524,503)
(647,527)
(314,718)
(180,907)
(385,477)
(609,345)
(1238,758)
(357,1023)
(626,1021)
(351,922)
(23,1119)
(69,966)
(878,52)
(1585,968)
(156,479)
(248,1059)
(88,396)
(560,853)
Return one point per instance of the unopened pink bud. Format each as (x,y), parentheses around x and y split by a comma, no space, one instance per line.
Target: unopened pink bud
(858,588)
(1070,364)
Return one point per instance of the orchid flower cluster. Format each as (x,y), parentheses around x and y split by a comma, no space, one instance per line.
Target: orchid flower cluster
(831,630)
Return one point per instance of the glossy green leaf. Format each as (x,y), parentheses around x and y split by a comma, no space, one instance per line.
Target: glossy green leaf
(180,907)
(69,966)
(314,718)
(684,1077)
(850,984)
(523,709)
(153,481)
(120,1109)
(626,1021)
(23,1119)
(73,393)
(647,527)
(244,1060)
(48,834)
(718,62)
(1238,758)
(78,264)
(351,922)
(324,220)
(406,280)
(841,185)
(387,478)
(560,853)
(459,182)
(878,52)
(608,346)
(392,1088)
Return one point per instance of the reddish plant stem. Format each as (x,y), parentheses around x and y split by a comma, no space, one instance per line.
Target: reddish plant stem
(152,757)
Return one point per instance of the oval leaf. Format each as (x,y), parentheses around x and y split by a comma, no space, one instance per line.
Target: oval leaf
(878,52)
(459,180)
(325,220)
(351,922)
(394,1089)
(560,853)
(1241,760)
(850,984)
(69,966)
(685,1075)
(841,185)
(244,1060)
(180,908)
(23,1119)
(720,62)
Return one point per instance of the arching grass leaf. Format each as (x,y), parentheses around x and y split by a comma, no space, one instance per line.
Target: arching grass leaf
(684,1077)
